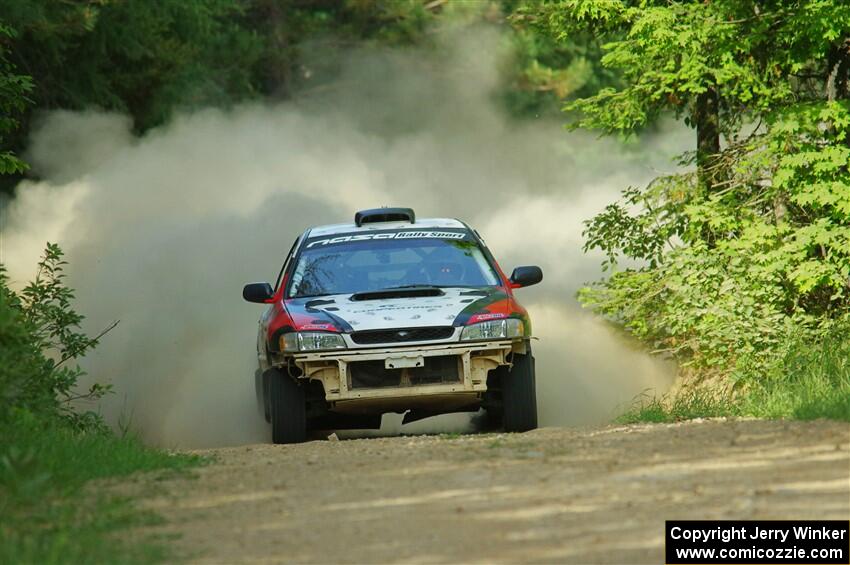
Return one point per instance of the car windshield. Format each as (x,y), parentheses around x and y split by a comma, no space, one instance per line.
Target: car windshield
(380,264)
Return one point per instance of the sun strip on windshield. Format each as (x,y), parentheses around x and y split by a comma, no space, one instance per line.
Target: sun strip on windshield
(321,242)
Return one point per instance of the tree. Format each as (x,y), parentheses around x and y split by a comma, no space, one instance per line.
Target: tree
(140,57)
(13,100)
(549,69)
(754,245)
(149,58)
(718,64)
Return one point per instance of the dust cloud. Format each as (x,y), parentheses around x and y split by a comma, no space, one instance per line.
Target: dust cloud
(162,231)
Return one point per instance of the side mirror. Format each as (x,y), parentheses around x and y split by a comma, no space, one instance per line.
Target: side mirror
(526,276)
(257,292)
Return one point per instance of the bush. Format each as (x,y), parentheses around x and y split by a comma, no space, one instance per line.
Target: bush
(730,281)
(808,378)
(48,452)
(40,337)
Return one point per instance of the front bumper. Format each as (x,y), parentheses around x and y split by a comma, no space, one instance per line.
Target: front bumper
(332,369)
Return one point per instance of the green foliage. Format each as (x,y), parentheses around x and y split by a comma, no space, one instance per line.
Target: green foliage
(144,58)
(48,452)
(737,271)
(22,365)
(148,59)
(13,100)
(39,330)
(671,52)
(546,70)
(806,379)
(734,261)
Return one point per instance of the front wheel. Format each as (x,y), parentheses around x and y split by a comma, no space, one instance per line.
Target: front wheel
(288,408)
(519,396)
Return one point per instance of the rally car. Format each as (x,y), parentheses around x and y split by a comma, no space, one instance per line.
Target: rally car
(392,314)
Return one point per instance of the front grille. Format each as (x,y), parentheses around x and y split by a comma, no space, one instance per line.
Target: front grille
(401,335)
(374,374)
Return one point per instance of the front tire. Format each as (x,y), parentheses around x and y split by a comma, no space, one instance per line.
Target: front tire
(288,408)
(519,395)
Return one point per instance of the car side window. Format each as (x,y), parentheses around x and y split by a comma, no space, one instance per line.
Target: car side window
(286,262)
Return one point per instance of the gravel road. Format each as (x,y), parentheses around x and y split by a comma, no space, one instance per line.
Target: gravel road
(553,496)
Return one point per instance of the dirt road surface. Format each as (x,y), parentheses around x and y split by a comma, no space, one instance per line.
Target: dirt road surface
(549,496)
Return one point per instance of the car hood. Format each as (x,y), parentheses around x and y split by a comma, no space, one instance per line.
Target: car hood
(453,307)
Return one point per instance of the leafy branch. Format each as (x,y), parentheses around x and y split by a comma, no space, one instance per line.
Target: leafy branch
(53,337)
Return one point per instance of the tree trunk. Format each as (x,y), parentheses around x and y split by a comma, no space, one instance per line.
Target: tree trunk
(838,75)
(838,71)
(707,122)
(269,16)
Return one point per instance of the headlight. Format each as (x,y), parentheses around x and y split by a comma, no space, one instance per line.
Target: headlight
(310,341)
(494,329)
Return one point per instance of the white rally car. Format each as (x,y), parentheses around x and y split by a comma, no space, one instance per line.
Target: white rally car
(392,314)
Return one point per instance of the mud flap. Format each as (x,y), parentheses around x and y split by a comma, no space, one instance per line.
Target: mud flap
(261,390)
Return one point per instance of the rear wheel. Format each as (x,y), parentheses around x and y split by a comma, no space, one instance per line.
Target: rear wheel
(288,408)
(519,398)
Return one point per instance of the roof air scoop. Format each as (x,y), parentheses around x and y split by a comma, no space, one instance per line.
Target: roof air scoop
(384,215)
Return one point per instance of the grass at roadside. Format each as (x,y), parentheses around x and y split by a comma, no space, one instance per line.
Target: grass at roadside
(48,512)
(694,404)
(810,381)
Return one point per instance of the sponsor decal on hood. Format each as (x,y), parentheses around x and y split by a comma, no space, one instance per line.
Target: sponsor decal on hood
(453,307)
